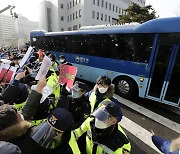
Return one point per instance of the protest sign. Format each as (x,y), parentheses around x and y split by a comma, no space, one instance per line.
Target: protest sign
(67,75)
(47,90)
(26,56)
(44,68)
(7,73)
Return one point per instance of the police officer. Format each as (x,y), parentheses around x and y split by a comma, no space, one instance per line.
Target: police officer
(76,103)
(62,60)
(55,64)
(104,135)
(103,90)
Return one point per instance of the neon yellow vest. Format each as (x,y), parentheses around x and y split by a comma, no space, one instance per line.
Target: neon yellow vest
(85,127)
(92,100)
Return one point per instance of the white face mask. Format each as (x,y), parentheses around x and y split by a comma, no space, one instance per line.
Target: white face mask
(100,124)
(102,90)
(61,60)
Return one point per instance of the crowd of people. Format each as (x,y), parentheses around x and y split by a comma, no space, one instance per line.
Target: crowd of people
(66,121)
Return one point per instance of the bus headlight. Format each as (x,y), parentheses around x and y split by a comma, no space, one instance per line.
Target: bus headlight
(34,39)
(141,79)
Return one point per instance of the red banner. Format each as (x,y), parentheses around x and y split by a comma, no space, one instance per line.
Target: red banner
(67,75)
(6,75)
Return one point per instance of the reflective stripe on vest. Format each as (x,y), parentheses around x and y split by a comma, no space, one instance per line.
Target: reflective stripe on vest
(73,144)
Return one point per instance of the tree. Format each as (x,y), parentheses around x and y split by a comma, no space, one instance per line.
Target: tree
(135,13)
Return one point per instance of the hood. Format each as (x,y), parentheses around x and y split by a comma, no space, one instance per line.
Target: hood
(14,131)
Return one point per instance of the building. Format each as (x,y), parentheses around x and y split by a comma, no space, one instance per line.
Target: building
(67,15)
(24,26)
(12,29)
(7,30)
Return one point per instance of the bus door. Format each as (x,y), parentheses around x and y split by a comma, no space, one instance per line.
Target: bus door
(164,84)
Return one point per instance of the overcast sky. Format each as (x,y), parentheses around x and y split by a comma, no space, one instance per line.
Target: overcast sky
(29,8)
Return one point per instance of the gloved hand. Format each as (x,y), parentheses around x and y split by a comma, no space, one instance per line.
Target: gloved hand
(64,91)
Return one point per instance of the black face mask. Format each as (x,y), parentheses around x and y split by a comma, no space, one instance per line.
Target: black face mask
(99,134)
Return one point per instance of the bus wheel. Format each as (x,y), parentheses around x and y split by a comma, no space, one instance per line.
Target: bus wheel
(126,87)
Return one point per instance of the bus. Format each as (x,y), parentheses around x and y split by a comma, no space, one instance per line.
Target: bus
(141,59)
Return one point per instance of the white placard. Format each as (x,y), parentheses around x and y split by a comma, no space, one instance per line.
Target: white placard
(26,56)
(47,90)
(44,68)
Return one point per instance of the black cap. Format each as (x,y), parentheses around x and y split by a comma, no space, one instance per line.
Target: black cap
(9,148)
(61,56)
(14,94)
(81,85)
(112,108)
(107,109)
(11,94)
(60,119)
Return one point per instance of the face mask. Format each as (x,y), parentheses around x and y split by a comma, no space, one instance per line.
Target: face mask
(76,94)
(61,60)
(102,90)
(100,124)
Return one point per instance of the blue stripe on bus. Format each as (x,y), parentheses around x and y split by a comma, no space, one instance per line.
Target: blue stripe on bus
(128,67)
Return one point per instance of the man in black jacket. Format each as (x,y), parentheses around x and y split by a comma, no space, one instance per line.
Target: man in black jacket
(76,103)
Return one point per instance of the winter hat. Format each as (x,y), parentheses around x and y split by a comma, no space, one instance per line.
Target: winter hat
(60,119)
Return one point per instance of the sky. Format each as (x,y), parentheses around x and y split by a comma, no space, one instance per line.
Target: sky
(165,8)
(29,8)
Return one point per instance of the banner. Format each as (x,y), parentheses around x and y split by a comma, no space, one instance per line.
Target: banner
(26,57)
(7,73)
(44,68)
(67,75)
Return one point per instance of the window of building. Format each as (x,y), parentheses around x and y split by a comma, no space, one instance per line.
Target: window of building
(73,2)
(62,29)
(76,2)
(79,13)
(93,14)
(73,16)
(98,2)
(62,18)
(116,8)
(70,17)
(105,18)
(110,6)
(79,25)
(70,4)
(109,18)
(102,3)
(101,16)
(94,2)
(75,27)
(97,15)
(69,29)
(76,14)
(106,5)
(113,7)
(62,6)
(122,11)
(119,10)
(79,1)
